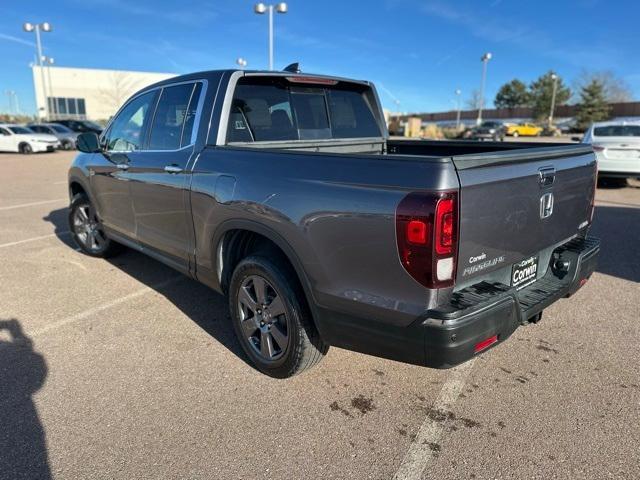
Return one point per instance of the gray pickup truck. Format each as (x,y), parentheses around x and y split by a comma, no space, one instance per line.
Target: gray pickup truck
(283,191)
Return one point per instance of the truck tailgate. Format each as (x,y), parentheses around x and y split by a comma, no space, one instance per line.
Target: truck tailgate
(517,206)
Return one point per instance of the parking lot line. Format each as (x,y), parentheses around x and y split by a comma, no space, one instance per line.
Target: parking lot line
(33,239)
(425,445)
(105,306)
(33,204)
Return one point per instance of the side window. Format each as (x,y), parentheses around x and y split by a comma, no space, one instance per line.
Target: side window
(4,132)
(172,110)
(190,119)
(126,132)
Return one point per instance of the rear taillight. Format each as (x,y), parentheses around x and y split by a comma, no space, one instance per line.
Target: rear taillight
(427,237)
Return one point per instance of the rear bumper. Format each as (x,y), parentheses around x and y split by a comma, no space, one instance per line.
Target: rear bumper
(484,310)
(448,336)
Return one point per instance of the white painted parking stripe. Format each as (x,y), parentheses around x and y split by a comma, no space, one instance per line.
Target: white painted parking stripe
(33,239)
(33,204)
(420,453)
(100,308)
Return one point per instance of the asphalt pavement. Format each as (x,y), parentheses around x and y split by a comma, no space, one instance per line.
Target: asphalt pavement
(125,369)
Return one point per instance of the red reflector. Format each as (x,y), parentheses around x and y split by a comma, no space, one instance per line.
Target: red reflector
(480,346)
(314,80)
(444,226)
(417,232)
(583,281)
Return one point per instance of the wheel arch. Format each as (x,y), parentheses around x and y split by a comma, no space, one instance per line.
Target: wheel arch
(251,237)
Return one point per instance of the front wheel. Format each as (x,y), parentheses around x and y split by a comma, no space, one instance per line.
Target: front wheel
(87,230)
(516,134)
(26,149)
(271,318)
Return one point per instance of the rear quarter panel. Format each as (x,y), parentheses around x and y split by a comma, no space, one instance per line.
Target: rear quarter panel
(336,212)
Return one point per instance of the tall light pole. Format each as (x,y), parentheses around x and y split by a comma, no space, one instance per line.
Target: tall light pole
(554,77)
(14,107)
(485,59)
(458,93)
(261,8)
(45,27)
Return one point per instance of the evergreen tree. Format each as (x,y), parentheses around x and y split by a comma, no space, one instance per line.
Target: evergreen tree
(542,91)
(593,106)
(513,94)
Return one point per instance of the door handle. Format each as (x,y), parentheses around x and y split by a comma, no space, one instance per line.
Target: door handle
(173,169)
(122,166)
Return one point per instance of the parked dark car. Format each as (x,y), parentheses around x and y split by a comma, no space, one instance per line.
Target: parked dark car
(489,130)
(81,126)
(283,191)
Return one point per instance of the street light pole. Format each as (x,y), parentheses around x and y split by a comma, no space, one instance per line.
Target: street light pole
(45,27)
(261,8)
(485,59)
(554,77)
(458,93)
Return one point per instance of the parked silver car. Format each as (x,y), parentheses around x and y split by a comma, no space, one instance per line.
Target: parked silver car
(66,136)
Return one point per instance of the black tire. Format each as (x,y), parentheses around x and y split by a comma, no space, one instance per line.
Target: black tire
(67,145)
(26,149)
(89,236)
(304,347)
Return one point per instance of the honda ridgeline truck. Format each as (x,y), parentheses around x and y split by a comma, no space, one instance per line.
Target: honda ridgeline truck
(283,191)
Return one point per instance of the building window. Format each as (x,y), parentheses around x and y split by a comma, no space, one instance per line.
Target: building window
(61,107)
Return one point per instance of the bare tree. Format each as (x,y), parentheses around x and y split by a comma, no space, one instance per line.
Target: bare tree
(474,100)
(615,88)
(120,87)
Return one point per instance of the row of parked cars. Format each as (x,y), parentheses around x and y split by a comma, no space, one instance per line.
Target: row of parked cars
(44,137)
(496,131)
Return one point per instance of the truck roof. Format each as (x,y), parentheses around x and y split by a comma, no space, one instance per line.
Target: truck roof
(231,71)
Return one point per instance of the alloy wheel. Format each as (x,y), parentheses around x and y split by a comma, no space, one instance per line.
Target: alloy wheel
(263,319)
(87,228)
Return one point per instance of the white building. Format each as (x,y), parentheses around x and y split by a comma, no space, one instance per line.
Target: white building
(86,93)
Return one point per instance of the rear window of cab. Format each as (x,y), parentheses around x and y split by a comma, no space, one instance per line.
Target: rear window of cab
(274,109)
(617,131)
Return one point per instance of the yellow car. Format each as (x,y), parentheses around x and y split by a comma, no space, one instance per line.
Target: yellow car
(524,129)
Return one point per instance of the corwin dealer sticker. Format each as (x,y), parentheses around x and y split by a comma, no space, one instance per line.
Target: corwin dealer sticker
(524,273)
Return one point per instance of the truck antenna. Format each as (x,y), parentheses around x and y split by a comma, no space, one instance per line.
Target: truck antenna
(293,68)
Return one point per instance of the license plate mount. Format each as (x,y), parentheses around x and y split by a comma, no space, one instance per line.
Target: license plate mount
(524,273)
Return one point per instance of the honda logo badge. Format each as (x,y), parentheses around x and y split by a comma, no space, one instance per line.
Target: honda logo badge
(546,205)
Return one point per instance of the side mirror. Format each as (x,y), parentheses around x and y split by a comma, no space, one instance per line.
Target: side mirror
(88,142)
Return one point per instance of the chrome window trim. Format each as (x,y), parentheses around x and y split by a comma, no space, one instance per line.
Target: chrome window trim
(221,137)
(223,124)
(196,121)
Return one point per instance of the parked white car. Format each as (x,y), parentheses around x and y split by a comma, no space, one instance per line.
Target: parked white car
(15,138)
(617,147)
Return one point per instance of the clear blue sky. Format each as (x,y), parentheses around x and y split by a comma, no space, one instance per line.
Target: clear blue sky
(416,51)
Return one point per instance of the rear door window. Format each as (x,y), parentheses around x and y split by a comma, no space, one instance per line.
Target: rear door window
(169,118)
(268,109)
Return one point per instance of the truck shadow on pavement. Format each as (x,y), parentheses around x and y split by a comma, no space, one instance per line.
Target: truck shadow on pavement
(23,449)
(208,309)
(618,228)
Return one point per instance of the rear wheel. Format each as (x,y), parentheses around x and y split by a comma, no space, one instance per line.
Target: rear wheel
(516,134)
(271,318)
(87,230)
(26,149)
